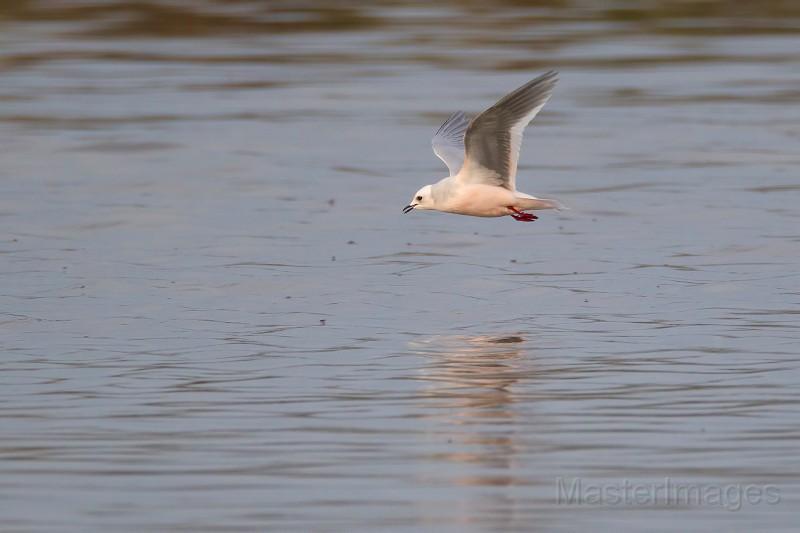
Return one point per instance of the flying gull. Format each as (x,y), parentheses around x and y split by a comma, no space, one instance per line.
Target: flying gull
(482,158)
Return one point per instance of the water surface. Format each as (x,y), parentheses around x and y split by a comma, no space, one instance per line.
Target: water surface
(215,317)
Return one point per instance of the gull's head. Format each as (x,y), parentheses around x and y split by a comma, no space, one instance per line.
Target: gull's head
(422,199)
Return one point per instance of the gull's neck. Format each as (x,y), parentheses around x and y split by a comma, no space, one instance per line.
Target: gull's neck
(442,190)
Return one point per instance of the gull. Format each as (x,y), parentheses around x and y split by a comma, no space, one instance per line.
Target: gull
(482,158)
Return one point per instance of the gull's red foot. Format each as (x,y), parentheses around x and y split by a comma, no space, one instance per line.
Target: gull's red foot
(522,217)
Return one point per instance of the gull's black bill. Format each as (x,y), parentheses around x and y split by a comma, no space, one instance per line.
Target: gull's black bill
(408,208)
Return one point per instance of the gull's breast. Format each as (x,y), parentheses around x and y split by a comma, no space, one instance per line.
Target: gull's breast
(479,200)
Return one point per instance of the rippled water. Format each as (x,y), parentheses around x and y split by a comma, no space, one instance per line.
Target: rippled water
(215,316)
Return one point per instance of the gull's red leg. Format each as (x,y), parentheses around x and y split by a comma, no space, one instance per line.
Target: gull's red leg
(520,216)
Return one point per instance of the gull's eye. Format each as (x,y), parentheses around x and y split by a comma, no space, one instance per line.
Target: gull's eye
(419,198)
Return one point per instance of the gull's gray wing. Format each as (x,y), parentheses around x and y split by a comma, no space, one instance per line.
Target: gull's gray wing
(494,137)
(448,142)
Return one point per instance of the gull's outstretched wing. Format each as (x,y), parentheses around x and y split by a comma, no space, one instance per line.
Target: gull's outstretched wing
(494,137)
(448,142)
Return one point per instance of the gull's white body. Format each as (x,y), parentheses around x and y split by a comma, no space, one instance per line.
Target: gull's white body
(482,157)
(480,200)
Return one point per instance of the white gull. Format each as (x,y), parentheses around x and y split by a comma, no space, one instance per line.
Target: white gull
(482,158)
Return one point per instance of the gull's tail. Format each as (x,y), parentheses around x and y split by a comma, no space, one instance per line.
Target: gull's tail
(531,203)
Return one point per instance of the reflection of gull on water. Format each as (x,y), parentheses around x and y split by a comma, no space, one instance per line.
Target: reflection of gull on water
(469,381)
(475,435)
(472,371)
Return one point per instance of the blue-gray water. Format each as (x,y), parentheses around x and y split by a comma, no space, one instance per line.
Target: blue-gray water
(215,317)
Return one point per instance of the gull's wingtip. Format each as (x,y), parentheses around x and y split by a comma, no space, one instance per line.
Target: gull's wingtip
(550,75)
